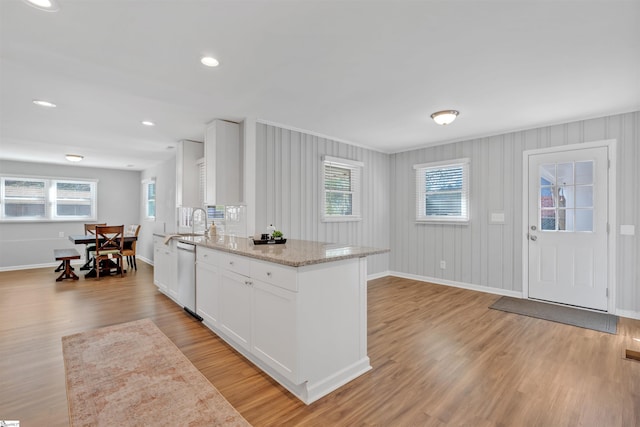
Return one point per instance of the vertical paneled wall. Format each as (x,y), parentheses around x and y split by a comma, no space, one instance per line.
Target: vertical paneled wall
(288,195)
(490,255)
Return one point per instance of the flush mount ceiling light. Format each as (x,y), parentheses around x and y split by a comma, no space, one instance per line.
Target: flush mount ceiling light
(210,61)
(444,117)
(42,103)
(148,123)
(73,157)
(46,5)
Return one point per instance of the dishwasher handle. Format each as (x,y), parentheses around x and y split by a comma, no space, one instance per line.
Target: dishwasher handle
(186,247)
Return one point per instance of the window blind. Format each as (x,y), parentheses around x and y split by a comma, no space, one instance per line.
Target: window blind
(442,191)
(341,189)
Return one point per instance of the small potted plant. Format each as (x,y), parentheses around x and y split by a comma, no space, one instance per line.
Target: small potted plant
(276,235)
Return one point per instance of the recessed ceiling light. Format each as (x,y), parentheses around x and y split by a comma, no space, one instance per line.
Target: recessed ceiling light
(46,5)
(148,123)
(73,157)
(210,61)
(444,117)
(130,166)
(42,103)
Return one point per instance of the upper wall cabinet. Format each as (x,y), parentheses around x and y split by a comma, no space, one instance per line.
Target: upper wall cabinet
(187,177)
(223,163)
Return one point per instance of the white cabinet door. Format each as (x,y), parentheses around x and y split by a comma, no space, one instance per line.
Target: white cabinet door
(171,280)
(274,338)
(207,293)
(165,267)
(235,310)
(160,265)
(223,163)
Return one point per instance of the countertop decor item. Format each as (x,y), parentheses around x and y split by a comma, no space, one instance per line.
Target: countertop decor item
(277,241)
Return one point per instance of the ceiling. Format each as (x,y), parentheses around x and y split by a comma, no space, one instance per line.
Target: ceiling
(366,72)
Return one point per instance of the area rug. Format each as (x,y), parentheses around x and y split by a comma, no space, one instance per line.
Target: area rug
(132,374)
(602,322)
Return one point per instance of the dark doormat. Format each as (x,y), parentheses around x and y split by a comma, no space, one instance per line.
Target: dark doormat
(602,322)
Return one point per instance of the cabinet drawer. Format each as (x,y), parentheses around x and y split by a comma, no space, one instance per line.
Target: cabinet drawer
(278,275)
(207,256)
(239,264)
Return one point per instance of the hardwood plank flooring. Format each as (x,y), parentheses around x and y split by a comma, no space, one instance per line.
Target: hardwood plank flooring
(440,357)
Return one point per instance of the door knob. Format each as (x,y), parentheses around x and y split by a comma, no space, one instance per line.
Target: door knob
(534,238)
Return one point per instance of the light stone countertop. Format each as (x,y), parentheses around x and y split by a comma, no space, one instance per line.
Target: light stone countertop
(294,253)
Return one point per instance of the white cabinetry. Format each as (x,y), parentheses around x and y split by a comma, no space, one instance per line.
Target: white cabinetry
(223,163)
(165,267)
(235,312)
(305,326)
(207,286)
(274,328)
(187,175)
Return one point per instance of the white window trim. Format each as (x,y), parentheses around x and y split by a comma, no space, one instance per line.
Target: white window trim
(50,200)
(145,200)
(357,200)
(421,216)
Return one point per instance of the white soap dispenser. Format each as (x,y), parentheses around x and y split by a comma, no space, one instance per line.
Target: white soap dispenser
(270,230)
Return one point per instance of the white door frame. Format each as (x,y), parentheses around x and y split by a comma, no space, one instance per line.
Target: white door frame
(610,144)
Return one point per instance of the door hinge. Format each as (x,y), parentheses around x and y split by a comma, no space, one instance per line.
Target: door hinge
(608,228)
(607,292)
(608,164)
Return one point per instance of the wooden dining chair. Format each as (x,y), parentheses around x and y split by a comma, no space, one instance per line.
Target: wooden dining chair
(89,229)
(109,247)
(130,247)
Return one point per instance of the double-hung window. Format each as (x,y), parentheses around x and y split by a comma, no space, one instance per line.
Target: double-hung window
(442,191)
(149,197)
(24,198)
(341,189)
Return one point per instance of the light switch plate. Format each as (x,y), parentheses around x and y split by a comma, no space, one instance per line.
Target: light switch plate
(628,230)
(497,217)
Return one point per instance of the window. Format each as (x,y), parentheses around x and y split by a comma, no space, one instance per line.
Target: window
(149,193)
(341,189)
(442,191)
(47,199)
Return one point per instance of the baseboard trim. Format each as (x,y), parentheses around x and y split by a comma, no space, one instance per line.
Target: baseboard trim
(628,313)
(378,275)
(463,285)
(45,265)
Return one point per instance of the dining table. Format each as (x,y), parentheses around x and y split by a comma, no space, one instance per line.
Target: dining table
(85,239)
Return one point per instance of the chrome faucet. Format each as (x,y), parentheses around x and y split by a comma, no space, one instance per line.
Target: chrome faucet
(193,223)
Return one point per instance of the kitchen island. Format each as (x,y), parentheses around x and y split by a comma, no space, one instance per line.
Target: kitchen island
(296,310)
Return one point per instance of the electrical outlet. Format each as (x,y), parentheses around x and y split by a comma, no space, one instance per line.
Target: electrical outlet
(61,234)
(443,265)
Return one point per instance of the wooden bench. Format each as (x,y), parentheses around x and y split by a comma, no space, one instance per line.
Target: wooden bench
(66,255)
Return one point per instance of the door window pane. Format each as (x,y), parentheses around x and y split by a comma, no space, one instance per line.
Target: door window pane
(565,174)
(546,197)
(584,172)
(548,219)
(566,197)
(584,196)
(584,220)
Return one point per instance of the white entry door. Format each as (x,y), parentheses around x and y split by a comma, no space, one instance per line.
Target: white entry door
(567,227)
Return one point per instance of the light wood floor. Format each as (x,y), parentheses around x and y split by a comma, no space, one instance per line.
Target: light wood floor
(440,357)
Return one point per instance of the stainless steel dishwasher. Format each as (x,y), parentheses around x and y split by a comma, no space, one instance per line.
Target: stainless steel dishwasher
(187,278)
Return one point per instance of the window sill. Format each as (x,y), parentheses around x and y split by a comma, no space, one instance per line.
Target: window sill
(443,221)
(342,219)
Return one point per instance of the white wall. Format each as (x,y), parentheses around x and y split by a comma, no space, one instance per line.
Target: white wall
(489,255)
(32,244)
(288,191)
(165,221)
